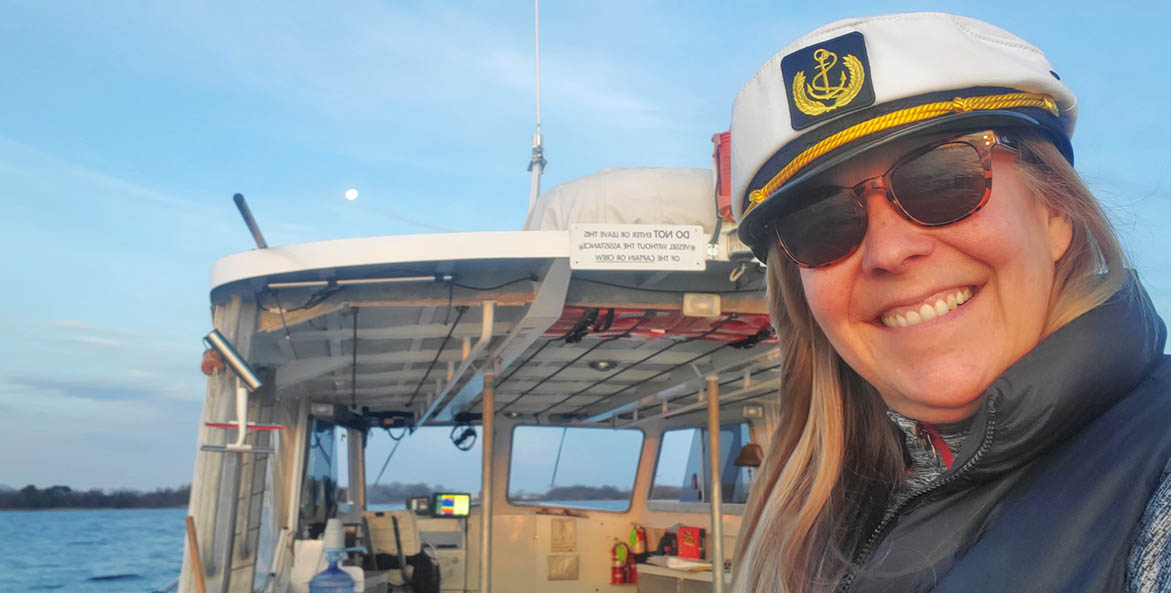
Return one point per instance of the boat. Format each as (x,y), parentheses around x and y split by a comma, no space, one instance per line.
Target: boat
(625,312)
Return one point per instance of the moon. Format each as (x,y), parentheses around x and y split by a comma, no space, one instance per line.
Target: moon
(351,194)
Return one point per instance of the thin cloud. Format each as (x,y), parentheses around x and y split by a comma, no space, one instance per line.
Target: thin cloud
(95,390)
(96,341)
(25,160)
(72,324)
(19,159)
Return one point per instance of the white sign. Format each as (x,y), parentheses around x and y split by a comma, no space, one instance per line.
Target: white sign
(637,247)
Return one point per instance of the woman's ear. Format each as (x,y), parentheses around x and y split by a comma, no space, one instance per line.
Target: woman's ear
(1060,230)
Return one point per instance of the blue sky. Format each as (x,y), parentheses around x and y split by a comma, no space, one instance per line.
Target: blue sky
(127,126)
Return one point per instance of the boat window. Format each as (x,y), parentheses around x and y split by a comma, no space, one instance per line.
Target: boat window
(319,490)
(573,466)
(681,474)
(420,464)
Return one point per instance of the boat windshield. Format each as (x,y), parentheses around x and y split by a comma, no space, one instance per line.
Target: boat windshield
(419,464)
(574,466)
(681,474)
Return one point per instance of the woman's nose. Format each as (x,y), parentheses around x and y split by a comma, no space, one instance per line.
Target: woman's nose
(892,243)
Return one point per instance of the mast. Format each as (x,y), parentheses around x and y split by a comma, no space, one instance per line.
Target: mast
(537,161)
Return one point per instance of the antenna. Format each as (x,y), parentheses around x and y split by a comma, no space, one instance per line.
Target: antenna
(246,212)
(537,162)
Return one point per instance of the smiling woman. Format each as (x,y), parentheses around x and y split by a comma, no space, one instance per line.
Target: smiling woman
(975,385)
(997,267)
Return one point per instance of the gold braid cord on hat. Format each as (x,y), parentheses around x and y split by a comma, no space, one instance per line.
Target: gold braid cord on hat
(893,119)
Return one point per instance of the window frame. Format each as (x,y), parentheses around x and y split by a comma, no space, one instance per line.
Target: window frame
(679,506)
(528,505)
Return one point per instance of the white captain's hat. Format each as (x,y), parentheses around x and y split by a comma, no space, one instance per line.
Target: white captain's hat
(856,84)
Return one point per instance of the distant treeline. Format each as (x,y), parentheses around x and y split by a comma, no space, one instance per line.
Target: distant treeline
(58,497)
(580,492)
(398,493)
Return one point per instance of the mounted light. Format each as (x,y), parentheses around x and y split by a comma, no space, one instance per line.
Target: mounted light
(696,304)
(753,411)
(603,365)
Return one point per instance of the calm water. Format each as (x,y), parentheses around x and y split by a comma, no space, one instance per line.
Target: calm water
(107,551)
(102,551)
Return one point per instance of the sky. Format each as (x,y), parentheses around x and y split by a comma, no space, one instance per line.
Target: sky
(127,127)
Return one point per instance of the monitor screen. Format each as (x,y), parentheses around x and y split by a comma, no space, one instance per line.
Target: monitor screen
(420,505)
(451,504)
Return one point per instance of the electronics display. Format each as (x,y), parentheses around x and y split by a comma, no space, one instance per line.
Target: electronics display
(451,504)
(420,505)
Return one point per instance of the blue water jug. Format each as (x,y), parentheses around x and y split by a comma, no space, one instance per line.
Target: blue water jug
(332,579)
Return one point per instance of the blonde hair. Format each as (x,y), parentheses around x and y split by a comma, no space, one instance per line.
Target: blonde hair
(834,459)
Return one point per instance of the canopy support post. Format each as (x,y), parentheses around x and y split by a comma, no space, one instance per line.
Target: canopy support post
(716,535)
(356,443)
(489,434)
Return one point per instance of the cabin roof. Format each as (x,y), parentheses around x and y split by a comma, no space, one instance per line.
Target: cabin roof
(415,324)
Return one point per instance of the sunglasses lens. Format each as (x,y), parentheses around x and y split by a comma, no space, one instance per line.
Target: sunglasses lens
(823,228)
(942,185)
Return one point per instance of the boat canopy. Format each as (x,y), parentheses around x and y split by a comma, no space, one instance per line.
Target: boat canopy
(629,196)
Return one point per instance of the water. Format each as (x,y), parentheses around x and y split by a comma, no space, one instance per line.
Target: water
(91,551)
(112,551)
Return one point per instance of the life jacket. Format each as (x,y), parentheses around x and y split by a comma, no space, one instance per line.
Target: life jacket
(1048,488)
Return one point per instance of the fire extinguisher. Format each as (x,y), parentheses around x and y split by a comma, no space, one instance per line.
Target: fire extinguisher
(619,555)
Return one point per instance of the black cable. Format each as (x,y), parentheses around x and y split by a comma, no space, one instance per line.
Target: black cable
(665,290)
(288,334)
(461,310)
(529,278)
(628,367)
(520,366)
(314,299)
(649,314)
(387,462)
(651,378)
(406,429)
(526,361)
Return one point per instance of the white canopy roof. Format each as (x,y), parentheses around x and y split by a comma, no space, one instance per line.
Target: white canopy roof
(629,196)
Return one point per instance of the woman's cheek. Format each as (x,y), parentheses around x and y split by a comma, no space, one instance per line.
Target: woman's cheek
(827,298)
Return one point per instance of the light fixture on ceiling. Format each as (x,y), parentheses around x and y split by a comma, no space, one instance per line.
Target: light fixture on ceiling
(603,365)
(697,304)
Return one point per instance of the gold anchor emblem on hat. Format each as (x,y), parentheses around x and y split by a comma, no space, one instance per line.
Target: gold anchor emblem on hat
(809,97)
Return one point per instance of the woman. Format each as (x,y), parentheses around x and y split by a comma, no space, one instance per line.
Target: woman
(975,395)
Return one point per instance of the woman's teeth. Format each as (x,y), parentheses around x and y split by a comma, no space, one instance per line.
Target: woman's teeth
(928,311)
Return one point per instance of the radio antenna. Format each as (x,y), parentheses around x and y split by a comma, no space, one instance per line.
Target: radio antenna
(537,162)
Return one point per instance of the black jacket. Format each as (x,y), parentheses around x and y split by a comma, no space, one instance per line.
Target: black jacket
(1049,486)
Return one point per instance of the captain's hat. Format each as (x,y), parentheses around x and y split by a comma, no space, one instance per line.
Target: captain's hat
(858,83)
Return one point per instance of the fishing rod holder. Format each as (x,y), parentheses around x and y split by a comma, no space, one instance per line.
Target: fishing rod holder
(246,381)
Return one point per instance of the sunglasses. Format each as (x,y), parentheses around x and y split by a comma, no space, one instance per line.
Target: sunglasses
(933,185)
